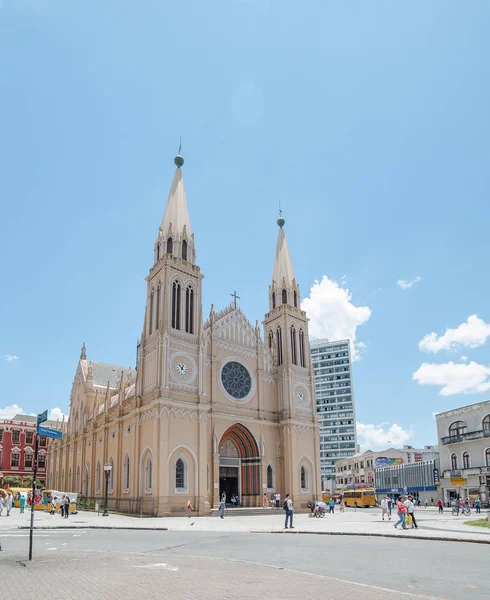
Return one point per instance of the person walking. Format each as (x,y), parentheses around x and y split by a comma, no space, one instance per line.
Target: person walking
(66,507)
(189,509)
(53,505)
(411,511)
(384,509)
(288,507)
(222,506)
(440,505)
(278,500)
(426,503)
(331,506)
(264,500)
(390,506)
(402,514)
(9,502)
(478,505)
(22,503)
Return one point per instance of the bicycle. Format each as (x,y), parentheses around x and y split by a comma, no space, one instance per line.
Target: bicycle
(457,509)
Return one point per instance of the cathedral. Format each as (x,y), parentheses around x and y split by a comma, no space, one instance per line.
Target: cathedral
(212,407)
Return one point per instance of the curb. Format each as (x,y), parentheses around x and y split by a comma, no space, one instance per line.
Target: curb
(73,528)
(382,535)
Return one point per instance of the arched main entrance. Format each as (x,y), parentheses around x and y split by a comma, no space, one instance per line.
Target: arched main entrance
(239,465)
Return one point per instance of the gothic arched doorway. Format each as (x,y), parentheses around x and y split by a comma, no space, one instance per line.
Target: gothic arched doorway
(239,466)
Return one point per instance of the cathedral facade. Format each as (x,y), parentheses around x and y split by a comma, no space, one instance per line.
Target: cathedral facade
(212,407)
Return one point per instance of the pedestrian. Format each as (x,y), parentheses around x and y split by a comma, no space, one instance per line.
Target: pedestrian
(331,506)
(432,501)
(288,507)
(53,505)
(384,509)
(467,503)
(9,502)
(67,507)
(222,506)
(2,504)
(189,509)
(273,500)
(22,503)
(390,506)
(402,513)
(411,511)
(264,500)
(478,505)
(426,503)
(440,505)
(278,500)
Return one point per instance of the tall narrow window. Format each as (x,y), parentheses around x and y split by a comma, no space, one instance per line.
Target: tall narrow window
(284,297)
(273,299)
(69,479)
(304,479)
(180,483)
(151,313)
(487,457)
(126,473)
(270,477)
(158,251)
(279,346)
(77,481)
(148,474)
(302,360)
(41,462)
(295,296)
(189,310)
(111,477)
(176,305)
(466,460)
(454,462)
(293,345)
(184,250)
(63,479)
(97,479)
(14,459)
(170,246)
(157,311)
(271,339)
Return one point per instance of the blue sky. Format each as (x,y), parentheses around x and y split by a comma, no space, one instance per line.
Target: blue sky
(368,122)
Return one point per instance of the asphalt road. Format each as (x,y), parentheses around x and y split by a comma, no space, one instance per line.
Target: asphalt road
(449,570)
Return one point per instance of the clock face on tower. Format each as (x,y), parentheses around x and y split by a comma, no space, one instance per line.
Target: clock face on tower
(182,368)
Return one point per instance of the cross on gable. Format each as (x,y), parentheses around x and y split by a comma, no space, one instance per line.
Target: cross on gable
(235,298)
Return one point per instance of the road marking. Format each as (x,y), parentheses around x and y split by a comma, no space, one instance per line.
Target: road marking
(158,566)
(472,586)
(52,548)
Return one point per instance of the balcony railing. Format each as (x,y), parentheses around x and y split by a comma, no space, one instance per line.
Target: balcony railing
(464,437)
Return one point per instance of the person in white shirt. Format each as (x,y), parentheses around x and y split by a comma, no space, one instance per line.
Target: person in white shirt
(411,510)
(288,507)
(385,509)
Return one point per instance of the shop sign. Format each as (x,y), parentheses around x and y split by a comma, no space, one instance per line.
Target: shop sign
(458,481)
(437,481)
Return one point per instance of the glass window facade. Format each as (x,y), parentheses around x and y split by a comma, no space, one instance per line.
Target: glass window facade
(335,402)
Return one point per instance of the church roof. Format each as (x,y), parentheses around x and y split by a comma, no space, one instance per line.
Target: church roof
(283,267)
(105,372)
(176,214)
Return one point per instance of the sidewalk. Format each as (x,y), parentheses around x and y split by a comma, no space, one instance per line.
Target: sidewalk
(126,576)
(360,522)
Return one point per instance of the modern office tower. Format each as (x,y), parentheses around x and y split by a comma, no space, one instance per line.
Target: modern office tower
(335,404)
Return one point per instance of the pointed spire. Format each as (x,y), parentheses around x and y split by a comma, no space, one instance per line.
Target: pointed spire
(283,273)
(83,352)
(176,217)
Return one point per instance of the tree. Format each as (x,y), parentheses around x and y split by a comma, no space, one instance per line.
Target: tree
(27,482)
(12,481)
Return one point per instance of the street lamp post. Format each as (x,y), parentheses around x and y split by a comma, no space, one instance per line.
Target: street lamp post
(107,471)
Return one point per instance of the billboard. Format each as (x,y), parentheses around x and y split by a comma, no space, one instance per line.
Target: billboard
(384,461)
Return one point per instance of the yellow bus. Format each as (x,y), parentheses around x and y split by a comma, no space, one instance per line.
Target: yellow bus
(364,497)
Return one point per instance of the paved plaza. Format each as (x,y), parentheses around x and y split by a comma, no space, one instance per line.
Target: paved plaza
(360,522)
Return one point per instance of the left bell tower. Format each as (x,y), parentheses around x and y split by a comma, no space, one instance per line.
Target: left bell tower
(173,298)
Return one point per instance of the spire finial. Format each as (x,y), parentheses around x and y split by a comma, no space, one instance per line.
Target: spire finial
(280,220)
(83,353)
(179,160)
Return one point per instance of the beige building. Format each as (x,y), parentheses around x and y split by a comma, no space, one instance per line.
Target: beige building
(212,407)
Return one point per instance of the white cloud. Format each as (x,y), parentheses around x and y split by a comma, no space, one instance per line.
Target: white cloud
(332,314)
(471,334)
(10,357)
(455,378)
(7,412)
(56,414)
(382,436)
(463,359)
(406,285)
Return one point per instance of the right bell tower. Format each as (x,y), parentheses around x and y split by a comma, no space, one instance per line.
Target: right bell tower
(286,332)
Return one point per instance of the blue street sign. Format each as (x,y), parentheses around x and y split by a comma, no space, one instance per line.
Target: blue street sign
(47,432)
(42,417)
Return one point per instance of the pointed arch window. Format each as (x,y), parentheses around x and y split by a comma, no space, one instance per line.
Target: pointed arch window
(97,478)
(176,305)
(271,339)
(293,346)
(126,474)
(111,477)
(284,297)
(151,312)
(170,246)
(157,311)
(454,461)
(148,474)
(270,478)
(273,299)
(295,298)
(279,346)
(302,358)
(304,479)
(466,460)
(184,250)
(189,310)
(180,476)
(158,251)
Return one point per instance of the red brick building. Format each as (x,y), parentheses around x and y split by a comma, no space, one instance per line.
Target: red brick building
(17,443)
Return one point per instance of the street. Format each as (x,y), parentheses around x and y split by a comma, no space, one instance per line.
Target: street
(449,570)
